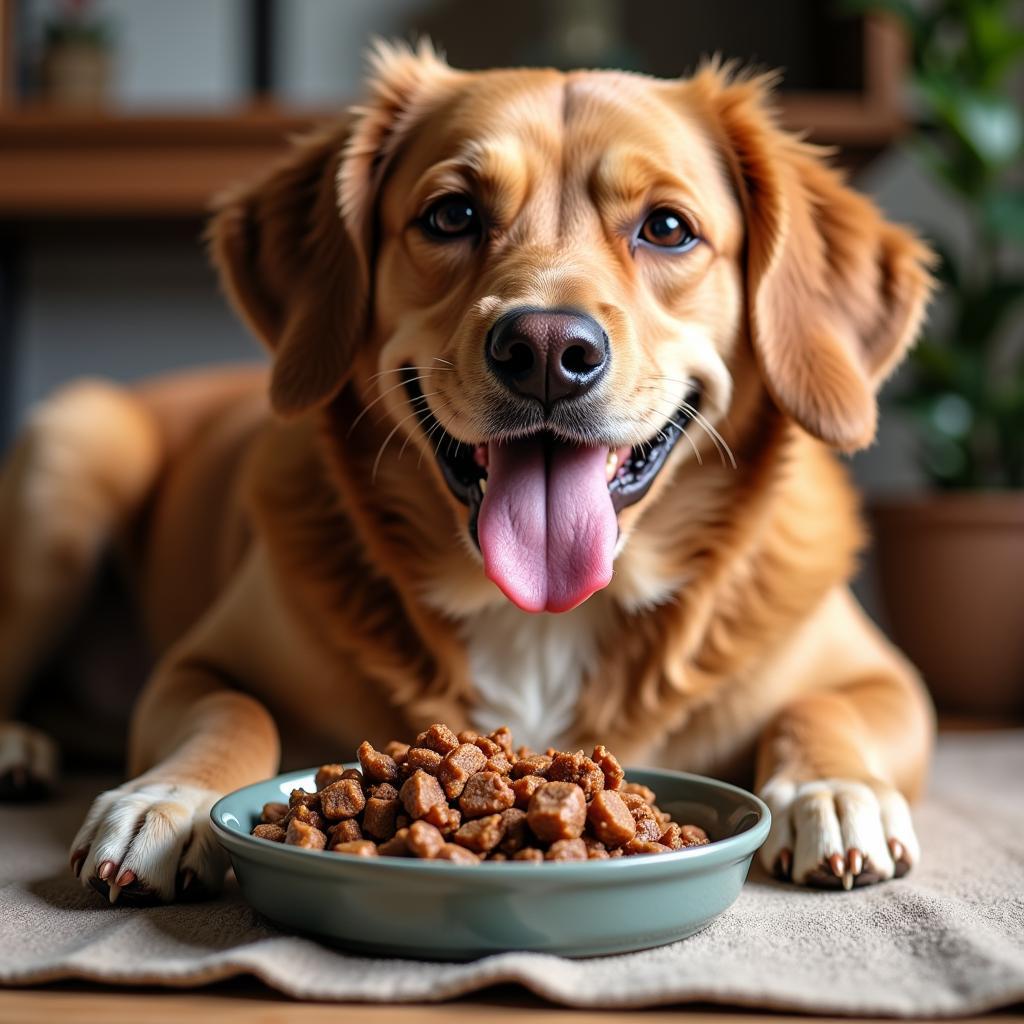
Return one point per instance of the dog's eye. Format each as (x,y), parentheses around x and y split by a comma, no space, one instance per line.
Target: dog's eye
(667,230)
(451,217)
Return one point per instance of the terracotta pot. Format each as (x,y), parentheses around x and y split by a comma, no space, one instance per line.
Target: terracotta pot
(76,75)
(951,569)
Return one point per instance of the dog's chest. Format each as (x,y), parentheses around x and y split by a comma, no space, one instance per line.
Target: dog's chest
(528,670)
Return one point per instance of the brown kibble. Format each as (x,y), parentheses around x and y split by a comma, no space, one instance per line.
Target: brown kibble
(672,837)
(424,759)
(329,773)
(694,835)
(304,835)
(273,813)
(557,811)
(642,846)
(377,766)
(636,804)
(273,832)
(517,834)
(529,853)
(536,764)
(481,834)
(457,854)
(396,846)
(396,751)
(419,793)
(524,788)
(360,848)
(610,818)
(424,840)
(499,763)
(305,814)
(487,745)
(648,829)
(577,768)
(301,797)
(346,831)
(446,819)
(438,738)
(644,792)
(469,797)
(567,849)
(503,737)
(609,765)
(342,799)
(379,818)
(485,793)
(457,767)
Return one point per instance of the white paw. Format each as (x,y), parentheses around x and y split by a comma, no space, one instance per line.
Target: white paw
(835,833)
(150,840)
(28,762)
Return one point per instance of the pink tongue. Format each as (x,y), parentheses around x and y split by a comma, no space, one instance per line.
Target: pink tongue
(547,528)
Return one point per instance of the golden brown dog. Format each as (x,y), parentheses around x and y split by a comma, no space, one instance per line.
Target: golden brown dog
(570,344)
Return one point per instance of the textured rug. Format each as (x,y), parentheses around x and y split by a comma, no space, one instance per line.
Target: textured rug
(946,940)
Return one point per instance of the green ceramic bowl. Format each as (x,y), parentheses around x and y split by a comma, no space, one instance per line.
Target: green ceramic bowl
(442,911)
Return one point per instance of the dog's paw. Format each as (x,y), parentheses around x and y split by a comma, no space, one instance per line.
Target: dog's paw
(837,833)
(28,762)
(150,841)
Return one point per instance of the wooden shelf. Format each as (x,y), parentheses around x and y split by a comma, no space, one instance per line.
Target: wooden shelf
(58,163)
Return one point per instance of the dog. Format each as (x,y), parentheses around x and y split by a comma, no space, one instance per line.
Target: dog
(560,363)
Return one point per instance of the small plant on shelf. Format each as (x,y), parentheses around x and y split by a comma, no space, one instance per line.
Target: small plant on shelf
(965,392)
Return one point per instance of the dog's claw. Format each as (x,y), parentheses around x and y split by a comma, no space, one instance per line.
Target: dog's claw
(77,860)
(784,863)
(187,878)
(105,870)
(113,891)
(899,858)
(125,878)
(835,862)
(854,861)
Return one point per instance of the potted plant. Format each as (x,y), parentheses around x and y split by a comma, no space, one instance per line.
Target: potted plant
(75,66)
(951,561)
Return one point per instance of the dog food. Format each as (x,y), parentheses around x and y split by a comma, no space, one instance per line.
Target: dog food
(468,798)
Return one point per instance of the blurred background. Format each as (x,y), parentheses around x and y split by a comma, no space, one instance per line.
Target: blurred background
(119,119)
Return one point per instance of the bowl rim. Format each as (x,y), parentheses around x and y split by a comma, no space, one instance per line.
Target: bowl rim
(743,844)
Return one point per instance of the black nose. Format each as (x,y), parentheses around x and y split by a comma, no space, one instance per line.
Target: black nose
(547,354)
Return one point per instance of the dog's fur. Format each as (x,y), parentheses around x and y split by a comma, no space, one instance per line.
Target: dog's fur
(311,572)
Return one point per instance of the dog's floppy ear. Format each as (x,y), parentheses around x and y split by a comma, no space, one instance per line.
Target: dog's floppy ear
(835,293)
(294,248)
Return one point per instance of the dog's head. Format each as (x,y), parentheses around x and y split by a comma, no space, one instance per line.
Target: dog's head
(554,285)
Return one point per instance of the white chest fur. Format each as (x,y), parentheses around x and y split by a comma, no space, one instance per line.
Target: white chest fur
(528,669)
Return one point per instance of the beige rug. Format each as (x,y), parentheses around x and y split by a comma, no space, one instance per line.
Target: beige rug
(946,940)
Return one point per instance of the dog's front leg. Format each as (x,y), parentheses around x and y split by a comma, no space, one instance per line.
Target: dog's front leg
(844,753)
(837,768)
(193,739)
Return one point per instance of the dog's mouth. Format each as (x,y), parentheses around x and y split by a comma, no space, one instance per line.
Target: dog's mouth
(543,510)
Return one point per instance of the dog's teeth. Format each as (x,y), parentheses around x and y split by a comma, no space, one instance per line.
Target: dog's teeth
(483,485)
(612,464)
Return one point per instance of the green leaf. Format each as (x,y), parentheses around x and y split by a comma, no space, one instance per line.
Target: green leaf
(1003,215)
(989,124)
(982,315)
(948,270)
